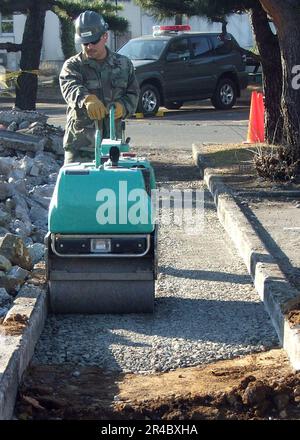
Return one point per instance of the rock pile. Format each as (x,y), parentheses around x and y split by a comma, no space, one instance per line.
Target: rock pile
(28,131)
(30,158)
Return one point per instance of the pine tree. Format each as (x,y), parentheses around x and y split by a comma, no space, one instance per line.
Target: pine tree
(267,42)
(35,11)
(286,17)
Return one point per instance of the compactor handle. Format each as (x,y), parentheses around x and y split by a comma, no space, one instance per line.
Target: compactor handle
(97,145)
(112,127)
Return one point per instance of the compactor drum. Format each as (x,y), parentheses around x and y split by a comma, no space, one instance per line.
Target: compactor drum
(101,252)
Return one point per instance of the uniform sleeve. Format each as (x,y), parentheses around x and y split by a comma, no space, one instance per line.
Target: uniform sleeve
(131,97)
(71,84)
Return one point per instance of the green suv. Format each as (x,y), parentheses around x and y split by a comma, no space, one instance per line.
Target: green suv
(174,66)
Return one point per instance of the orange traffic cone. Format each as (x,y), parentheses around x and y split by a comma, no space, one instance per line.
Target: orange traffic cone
(256,129)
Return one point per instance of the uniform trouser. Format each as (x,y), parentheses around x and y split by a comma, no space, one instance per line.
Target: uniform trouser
(79,156)
(72,152)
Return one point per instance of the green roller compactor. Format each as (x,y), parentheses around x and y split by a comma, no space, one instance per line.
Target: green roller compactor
(101,247)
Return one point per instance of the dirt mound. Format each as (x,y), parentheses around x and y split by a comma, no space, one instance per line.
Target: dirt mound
(251,399)
(259,386)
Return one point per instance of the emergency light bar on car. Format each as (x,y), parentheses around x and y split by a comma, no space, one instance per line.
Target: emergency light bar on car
(160,30)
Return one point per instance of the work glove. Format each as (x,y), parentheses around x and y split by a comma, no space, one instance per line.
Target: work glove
(95,108)
(119,110)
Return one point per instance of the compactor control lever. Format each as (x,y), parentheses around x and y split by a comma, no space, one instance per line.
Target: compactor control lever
(114,155)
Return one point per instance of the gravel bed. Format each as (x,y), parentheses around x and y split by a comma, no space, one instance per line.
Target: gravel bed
(206,310)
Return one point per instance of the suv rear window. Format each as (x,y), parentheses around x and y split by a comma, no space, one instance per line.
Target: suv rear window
(200,46)
(222,45)
(178,48)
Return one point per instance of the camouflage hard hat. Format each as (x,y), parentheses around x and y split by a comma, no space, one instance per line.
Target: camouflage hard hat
(89,27)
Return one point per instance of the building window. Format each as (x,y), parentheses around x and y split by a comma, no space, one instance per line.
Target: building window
(7,24)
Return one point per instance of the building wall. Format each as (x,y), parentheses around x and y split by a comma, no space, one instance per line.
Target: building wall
(52,50)
(238,25)
(133,14)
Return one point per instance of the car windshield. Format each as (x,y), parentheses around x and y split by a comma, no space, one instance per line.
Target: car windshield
(143,49)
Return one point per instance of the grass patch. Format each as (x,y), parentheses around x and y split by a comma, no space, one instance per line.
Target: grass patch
(227,157)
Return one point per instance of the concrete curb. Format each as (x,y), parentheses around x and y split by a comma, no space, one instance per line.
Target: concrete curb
(16,350)
(271,284)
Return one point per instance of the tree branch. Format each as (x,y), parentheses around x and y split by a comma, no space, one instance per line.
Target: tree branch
(9,7)
(11,47)
(22,6)
(275,9)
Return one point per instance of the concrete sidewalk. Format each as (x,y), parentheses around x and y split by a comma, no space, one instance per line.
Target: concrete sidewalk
(263,220)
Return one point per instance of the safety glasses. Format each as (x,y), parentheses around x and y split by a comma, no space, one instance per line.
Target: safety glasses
(93,42)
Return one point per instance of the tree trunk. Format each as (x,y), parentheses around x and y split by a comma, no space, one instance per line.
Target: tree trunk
(26,89)
(178,19)
(268,45)
(286,17)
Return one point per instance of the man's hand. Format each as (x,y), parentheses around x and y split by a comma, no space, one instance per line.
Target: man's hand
(119,110)
(95,108)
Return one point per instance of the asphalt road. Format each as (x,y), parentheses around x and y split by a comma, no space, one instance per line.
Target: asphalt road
(177,129)
(180,128)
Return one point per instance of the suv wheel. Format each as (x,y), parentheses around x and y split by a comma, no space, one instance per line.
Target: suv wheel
(175,105)
(225,94)
(149,100)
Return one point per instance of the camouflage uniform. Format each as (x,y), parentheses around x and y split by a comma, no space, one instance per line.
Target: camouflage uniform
(112,79)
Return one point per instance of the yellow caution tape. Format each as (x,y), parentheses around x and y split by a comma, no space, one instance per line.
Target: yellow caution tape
(15,74)
(10,76)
